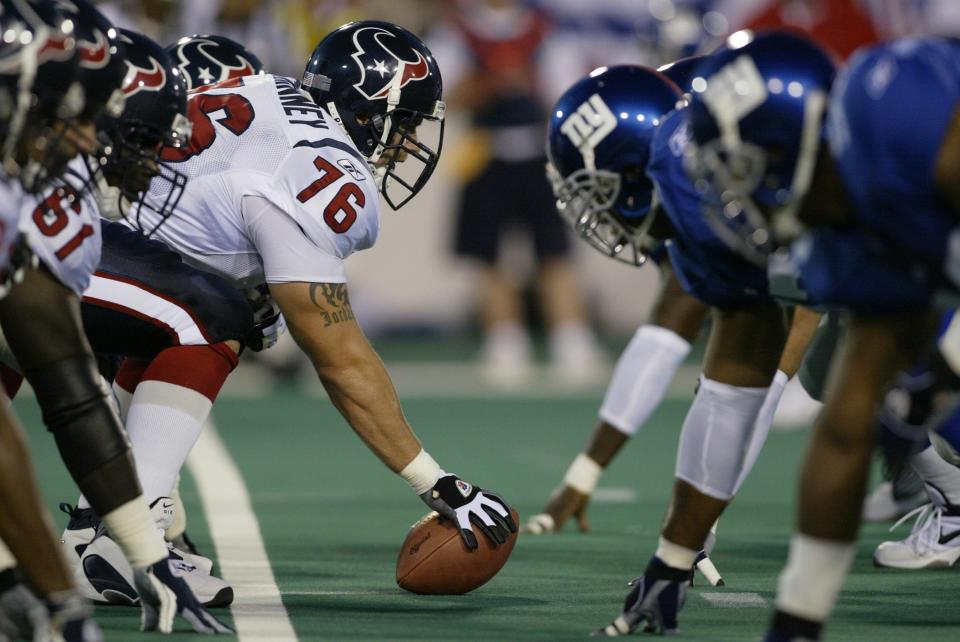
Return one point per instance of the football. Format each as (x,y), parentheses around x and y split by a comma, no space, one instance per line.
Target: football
(435,561)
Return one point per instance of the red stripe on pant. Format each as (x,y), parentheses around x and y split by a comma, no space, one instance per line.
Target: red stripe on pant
(203,369)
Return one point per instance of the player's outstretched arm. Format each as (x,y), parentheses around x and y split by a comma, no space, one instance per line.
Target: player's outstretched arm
(321,321)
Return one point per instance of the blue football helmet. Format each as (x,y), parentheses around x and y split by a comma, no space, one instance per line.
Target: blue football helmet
(757,111)
(598,145)
(681,71)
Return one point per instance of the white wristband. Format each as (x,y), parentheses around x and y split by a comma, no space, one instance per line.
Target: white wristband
(422,472)
(583,474)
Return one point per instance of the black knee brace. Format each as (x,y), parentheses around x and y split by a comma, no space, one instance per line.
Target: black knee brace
(87,430)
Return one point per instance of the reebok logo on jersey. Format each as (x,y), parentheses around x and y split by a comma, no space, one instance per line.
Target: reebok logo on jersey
(464,488)
(351,169)
(588,126)
(380,69)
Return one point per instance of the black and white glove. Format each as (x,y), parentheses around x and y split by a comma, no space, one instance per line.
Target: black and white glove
(164,595)
(268,323)
(465,504)
(70,619)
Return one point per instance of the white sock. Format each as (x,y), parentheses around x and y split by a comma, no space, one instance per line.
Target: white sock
(675,556)
(164,422)
(813,577)
(572,340)
(941,479)
(124,397)
(761,428)
(642,377)
(132,527)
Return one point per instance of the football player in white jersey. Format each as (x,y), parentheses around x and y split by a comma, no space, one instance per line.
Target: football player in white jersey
(40,319)
(284,179)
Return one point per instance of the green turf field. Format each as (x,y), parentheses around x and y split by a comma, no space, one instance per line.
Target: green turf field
(332,520)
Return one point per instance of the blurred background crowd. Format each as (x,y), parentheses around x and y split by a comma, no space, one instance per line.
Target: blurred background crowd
(480,260)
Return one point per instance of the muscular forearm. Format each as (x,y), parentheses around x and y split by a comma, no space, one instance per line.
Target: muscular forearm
(364,394)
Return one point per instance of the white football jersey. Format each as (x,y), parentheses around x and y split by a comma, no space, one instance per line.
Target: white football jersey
(11,198)
(260,136)
(64,230)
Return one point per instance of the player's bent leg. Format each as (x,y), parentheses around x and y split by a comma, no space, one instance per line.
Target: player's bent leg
(40,319)
(742,356)
(640,382)
(836,468)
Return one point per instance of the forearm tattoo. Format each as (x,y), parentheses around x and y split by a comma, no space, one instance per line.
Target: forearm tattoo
(333,300)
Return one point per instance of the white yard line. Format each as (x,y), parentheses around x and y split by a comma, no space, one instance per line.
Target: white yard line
(258,611)
(724,600)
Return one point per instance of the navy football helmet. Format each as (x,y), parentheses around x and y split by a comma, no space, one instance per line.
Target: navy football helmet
(153,119)
(100,57)
(598,145)
(381,83)
(205,60)
(757,110)
(39,96)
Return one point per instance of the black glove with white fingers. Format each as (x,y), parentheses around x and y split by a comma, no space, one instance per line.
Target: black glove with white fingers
(268,323)
(466,505)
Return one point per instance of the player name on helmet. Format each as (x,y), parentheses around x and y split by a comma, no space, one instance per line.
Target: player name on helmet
(296,104)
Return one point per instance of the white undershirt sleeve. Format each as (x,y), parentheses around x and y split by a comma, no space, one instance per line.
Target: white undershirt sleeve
(288,255)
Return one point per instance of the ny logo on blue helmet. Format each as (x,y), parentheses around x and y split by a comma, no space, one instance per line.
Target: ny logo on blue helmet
(757,110)
(598,145)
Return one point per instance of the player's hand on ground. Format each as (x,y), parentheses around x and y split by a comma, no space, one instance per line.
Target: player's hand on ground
(471,507)
(70,618)
(163,596)
(564,503)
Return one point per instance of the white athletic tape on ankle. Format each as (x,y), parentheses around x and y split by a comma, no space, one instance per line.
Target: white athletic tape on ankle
(131,526)
(422,472)
(642,376)
(815,571)
(674,555)
(583,474)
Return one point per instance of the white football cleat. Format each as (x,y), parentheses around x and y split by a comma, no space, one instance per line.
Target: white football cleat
(163,511)
(83,525)
(934,541)
(883,506)
(80,531)
(105,576)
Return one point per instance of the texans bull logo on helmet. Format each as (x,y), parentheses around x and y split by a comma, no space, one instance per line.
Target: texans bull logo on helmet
(94,55)
(217,64)
(380,66)
(140,79)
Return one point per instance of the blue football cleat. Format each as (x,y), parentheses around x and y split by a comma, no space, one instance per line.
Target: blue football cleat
(655,600)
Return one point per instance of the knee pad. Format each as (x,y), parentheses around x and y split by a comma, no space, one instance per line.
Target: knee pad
(642,377)
(85,425)
(715,436)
